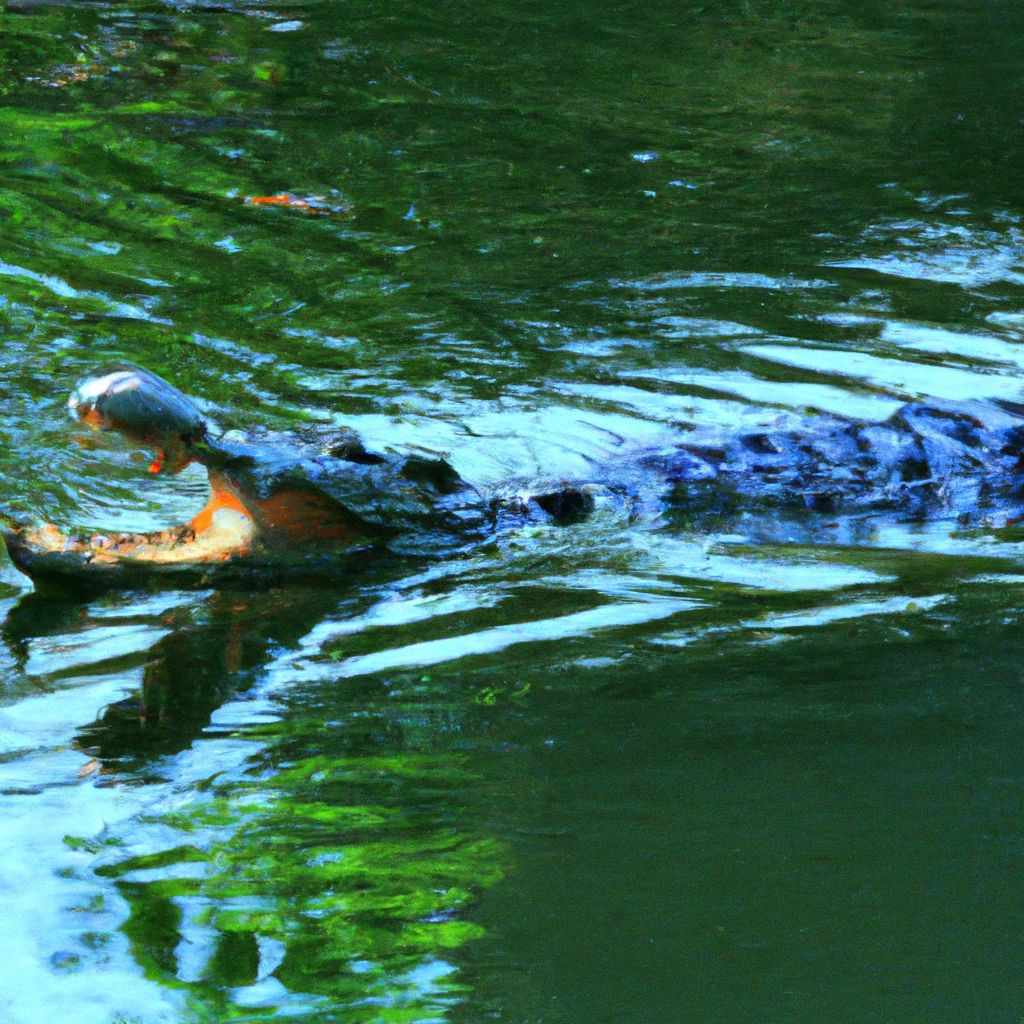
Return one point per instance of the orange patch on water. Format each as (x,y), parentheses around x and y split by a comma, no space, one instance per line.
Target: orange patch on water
(287,199)
(316,206)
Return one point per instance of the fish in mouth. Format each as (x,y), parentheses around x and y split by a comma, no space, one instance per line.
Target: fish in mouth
(274,498)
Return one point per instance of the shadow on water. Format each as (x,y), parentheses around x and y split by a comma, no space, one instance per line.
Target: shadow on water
(195,653)
(303,862)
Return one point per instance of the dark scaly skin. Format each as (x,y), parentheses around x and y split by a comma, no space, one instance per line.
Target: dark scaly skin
(829,478)
(306,500)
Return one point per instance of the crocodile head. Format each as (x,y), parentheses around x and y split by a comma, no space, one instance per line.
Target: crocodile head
(236,524)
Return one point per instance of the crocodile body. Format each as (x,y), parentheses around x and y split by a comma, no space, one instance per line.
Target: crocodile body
(956,461)
(305,499)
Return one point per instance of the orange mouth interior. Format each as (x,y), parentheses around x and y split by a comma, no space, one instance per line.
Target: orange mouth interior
(220,499)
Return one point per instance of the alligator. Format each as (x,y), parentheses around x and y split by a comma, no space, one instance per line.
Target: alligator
(302,500)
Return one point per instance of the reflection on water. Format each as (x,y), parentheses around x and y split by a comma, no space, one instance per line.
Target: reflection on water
(739,761)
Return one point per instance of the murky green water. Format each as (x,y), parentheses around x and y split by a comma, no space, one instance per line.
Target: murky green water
(595,773)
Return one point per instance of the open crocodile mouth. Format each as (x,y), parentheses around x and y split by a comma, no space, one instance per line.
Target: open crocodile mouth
(212,538)
(151,412)
(225,531)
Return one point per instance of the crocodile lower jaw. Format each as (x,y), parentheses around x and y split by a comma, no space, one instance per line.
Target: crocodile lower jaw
(227,537)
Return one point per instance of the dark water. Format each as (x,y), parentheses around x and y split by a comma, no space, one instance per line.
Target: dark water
(597,773)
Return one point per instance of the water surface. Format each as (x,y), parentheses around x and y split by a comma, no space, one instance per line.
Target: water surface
(605,772)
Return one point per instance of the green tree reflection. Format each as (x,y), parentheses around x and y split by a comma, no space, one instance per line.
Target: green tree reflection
(314,887)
